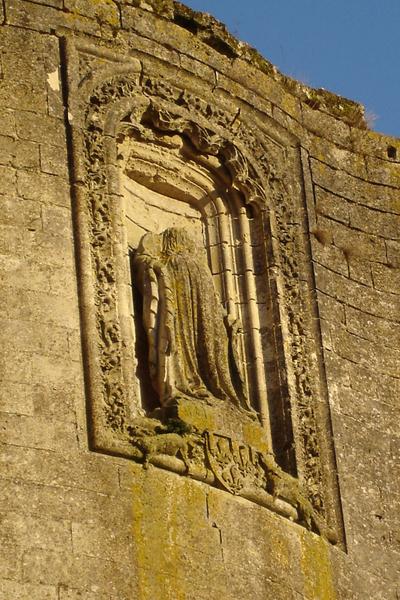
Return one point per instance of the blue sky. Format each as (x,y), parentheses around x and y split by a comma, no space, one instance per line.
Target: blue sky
(350,47)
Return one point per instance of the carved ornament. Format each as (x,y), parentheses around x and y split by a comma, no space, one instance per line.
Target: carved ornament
(116,101)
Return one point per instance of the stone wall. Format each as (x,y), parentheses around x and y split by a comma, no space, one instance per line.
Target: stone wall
(78,524)
(356,228)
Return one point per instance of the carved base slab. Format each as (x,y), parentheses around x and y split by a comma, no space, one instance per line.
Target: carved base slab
(222,419)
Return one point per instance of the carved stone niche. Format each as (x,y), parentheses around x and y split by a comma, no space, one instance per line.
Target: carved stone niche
(197,316)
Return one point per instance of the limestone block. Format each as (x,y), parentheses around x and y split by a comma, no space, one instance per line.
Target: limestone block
(28,337)
(202,70)
(353,242)
(362,378)
(18,154)
(25,591)
(43,187)
(73,593)
(35,276)
(53,3)
(360,268)
(95,539)
(356,295)
(105,11)
(337,371)
(326,335)
(16,398)
(338,157)
(53,161)
(42,308)
(386,278)
(326,126)
(374,222)
(36,433)
(327,254)
(153,48)
(35,532)
(332,206)
(55,250)
(292,125)
(257,81)
(12,242)
(371,327)
(62,569)
(375,144)
(377,415)
(42,129)
(7,178)
(393,253)
(50,400)
(233,86)
(10,562)
(50,468)
(381,358)
(47,18)
(23,95)
(147,25)
(66,503)
(382,198)
(7,123)
(331,310)
(19,212)
(16,368)
(57,221)
(363,580)
(383,171)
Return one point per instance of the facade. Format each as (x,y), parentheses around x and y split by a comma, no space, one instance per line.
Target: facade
(201,317)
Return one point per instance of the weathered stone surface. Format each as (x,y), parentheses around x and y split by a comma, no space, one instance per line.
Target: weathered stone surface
(332,206)
(34,532)
(26,591)
(393,253)
(18,153)
(356,295)
(368,326)
(326,126)
(377,197)
(7,123)
(386,278)
(196,115)
(47,18)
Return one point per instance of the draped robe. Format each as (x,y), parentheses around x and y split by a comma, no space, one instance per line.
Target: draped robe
(190,349)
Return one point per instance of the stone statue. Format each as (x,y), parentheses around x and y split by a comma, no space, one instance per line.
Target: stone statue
(191,346)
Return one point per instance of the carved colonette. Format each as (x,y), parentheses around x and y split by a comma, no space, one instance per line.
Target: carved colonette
(112,97)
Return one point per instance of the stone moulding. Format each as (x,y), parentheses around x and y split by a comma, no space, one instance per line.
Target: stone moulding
(113,99)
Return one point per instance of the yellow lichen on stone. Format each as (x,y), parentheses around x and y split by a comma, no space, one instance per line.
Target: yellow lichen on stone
(155,534)
(316,568)
(104,11)
(165,507)
(255,436)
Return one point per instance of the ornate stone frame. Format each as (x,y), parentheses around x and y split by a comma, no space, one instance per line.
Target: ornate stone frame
(266,166)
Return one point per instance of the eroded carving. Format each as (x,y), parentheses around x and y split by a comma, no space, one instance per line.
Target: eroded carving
(191,354)
(235,465)
(229,463)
